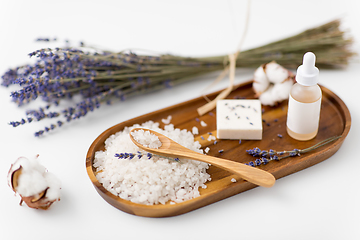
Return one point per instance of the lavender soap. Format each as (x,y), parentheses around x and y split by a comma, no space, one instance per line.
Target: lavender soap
(239,119)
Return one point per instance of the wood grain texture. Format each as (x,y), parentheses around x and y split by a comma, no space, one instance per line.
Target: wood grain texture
(335,120)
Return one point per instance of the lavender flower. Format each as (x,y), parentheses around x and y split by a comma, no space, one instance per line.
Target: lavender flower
(139,155)
(264,156)
(98,76)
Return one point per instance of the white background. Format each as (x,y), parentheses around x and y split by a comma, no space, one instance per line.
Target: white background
(321,202)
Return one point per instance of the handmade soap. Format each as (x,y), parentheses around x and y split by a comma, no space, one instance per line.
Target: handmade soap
(239,119)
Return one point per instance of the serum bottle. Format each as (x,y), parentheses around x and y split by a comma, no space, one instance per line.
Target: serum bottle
(304,101)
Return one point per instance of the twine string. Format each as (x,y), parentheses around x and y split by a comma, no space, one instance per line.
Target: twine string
(229,68)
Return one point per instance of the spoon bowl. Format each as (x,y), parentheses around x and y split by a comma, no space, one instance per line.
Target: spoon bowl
(170,148)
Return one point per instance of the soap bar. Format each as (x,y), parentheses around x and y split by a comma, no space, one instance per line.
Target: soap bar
(239,119)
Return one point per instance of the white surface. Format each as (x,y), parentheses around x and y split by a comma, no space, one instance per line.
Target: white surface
(321,202)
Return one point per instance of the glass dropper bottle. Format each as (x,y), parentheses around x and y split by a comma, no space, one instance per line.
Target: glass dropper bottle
(305,101)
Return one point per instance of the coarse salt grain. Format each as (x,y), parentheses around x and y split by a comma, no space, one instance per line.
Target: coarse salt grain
(150,181)
(211,138)
(195,130)
(203,124)
(233,180)
(167,120)
(207,149)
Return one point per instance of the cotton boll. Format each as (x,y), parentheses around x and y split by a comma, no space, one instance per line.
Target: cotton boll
(30,183)
(261,82)
(266,98)
(281,91)
(276,93)
(53,193)
(276,73)
(38,188)
(272,83)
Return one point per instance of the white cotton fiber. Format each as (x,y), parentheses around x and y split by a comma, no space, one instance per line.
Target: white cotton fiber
(34,179)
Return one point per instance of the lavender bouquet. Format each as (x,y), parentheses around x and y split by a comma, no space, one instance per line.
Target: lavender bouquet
(102,77)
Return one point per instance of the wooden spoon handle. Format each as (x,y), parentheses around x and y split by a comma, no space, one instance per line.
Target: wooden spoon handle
(251,174)
(172,149)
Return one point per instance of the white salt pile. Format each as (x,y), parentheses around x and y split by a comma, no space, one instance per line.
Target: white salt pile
(150,181)
(146,138)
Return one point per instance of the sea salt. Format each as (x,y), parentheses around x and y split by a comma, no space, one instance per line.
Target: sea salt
(233,180)
(195,130)
(207,149)
(203,124)
(211,138)
(150,181)
(147,139)
(167,120)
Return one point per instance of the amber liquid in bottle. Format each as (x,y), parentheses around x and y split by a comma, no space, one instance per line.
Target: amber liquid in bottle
(305,94)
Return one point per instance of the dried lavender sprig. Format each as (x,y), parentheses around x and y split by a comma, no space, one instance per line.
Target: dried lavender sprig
(82,108)
(327,41)
(264,157)
(139,155)
(55,80)
(62,73)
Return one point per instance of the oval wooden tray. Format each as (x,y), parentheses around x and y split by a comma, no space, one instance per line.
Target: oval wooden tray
(334,120)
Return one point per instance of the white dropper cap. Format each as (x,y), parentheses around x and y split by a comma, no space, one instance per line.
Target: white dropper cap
(307,74)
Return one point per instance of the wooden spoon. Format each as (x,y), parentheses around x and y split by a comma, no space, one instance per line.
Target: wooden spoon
(170,148)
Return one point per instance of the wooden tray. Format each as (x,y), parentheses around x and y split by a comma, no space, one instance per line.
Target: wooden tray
(334,120)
